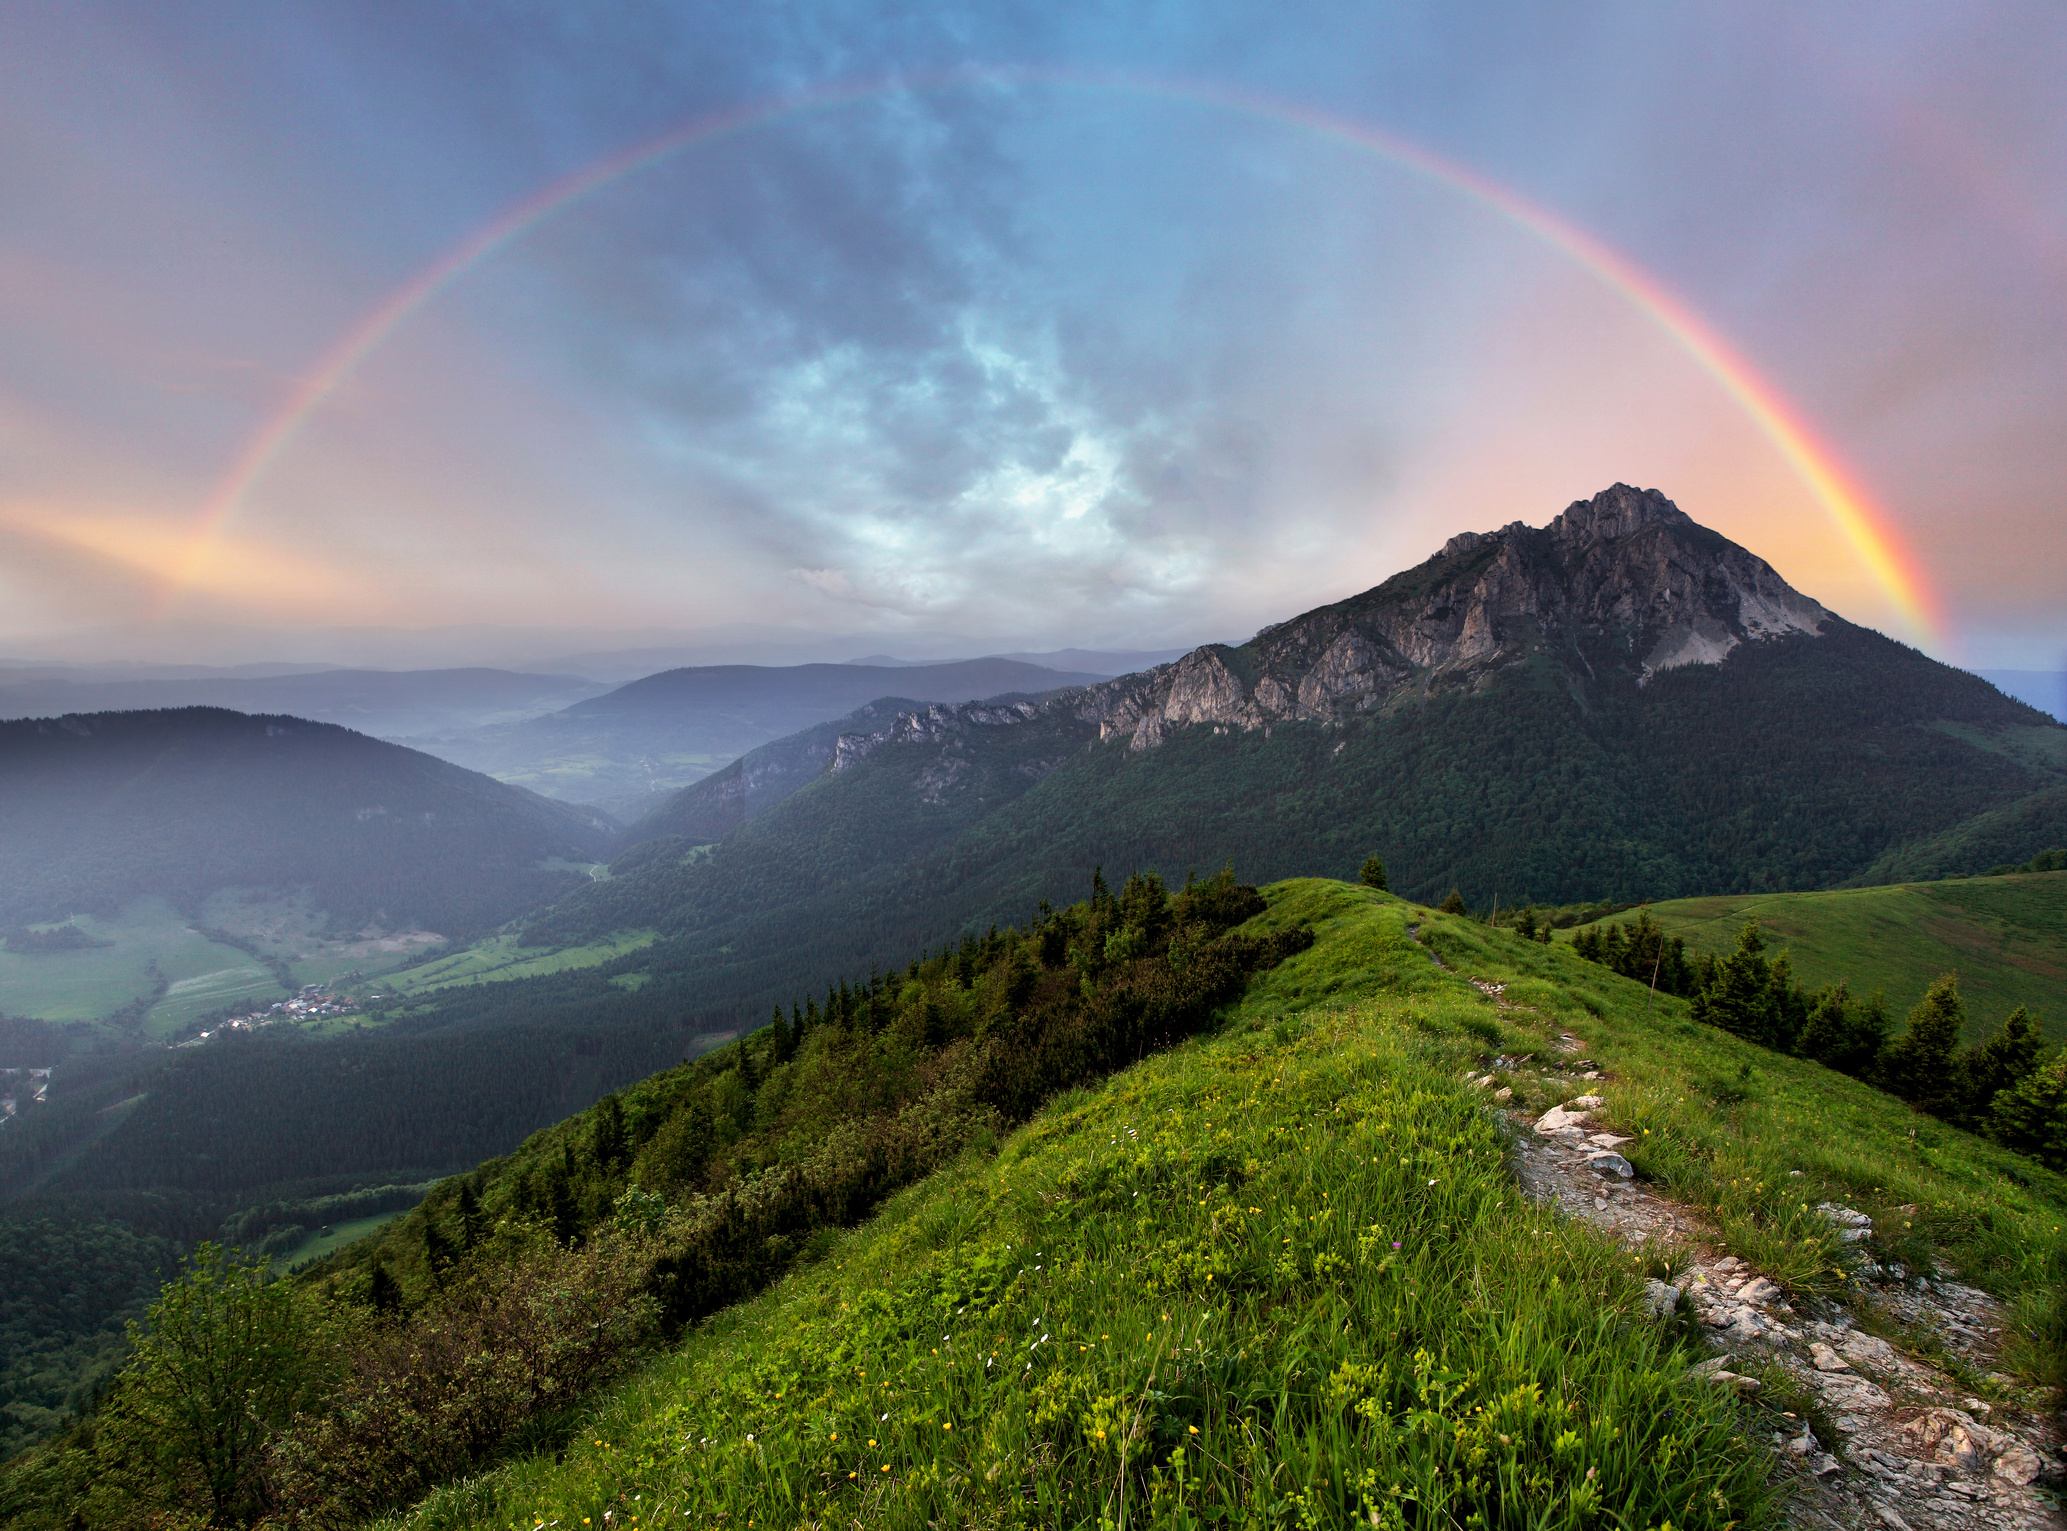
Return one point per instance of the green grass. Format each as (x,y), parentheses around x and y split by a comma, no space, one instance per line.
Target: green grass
(291,928)
(1281,1276)
(326,1244)
(2006,937)
(149,938)
(502,957)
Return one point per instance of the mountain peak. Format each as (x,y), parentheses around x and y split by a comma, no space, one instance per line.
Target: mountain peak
(1615,590)
(1616,512)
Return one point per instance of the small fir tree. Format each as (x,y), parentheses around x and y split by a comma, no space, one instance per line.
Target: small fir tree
(2031,1115)
(1738,995)
(2000,1062)
(383,1291)
(1923,1065)
(1454,904)
(1844,1034)
(1373,874)
(473,1225)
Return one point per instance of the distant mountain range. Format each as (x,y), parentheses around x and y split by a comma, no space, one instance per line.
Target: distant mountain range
(100,808)
(627,751)
(384,703)
(1622,703)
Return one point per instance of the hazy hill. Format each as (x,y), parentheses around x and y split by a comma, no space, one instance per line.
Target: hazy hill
(1622,704)
(630,748)
(99,809)
(384,703)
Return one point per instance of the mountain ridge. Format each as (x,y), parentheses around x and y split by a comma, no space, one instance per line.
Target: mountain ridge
(1622,703)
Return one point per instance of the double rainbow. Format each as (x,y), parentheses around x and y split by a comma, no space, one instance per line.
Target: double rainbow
(1864,526)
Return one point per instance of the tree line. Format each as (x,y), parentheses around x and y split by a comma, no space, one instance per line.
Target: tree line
(2005,1088)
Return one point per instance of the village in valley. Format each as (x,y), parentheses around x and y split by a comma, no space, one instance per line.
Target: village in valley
(313,1001)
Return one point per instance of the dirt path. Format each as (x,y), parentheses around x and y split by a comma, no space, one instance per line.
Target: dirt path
(1909,1448)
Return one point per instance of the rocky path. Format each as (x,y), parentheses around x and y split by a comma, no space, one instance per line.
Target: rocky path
(1909,1448)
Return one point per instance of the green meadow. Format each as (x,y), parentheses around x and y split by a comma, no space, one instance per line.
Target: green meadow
(499,958)
(1281,1275)
(149,941)
(2006,938)
(340,1234)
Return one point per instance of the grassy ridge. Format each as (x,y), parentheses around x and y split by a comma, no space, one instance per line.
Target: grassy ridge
(2004,936)
(1280,1275)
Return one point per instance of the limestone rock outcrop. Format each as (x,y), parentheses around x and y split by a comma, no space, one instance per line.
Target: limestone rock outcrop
(1625,579)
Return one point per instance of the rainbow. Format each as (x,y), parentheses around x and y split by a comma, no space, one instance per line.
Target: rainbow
(1864,526)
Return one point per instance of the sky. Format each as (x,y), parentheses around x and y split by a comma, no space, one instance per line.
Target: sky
(1006,327)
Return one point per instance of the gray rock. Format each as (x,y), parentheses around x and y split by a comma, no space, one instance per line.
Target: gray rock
(1867,1350)
(1758,1291)
(1607,1162)
(1826,1359)
(1662,1297)
(2018,1464)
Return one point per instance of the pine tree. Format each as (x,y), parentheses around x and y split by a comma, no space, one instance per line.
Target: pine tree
(472,1225)
(2000,1062)
(1373,874)
(1844,1035)
(1454,904)
(383,1291)
(1737,995)
(437,1251)
(606,1132)
(1923,1065)
(2031,1115)
(1787,1008)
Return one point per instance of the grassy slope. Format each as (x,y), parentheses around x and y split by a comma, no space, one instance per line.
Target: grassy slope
(499,958)
(340,1234)
(1292,1250)
(2004,936)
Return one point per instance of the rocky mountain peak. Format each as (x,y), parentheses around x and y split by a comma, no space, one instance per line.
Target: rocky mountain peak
(1614,513)
(1625,583)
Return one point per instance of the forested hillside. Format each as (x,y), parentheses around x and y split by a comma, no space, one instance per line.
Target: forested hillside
(98,809)
(1793,764)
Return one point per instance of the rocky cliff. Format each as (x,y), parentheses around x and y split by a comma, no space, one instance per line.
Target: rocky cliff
(1625,579)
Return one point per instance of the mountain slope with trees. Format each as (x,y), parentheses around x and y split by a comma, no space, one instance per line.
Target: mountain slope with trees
(1621,705)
